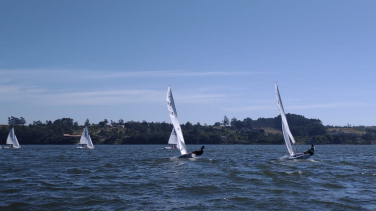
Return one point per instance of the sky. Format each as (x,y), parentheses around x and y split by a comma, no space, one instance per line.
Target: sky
(114,60)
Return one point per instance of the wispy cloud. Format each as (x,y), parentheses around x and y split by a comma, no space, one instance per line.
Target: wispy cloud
(251,108)
(329,105)
(108,74)
(59,97)
(296,107)
(19,93)
(171,73)
(32,95)
(202,98)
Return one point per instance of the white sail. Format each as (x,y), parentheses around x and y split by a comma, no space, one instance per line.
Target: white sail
(175,121)
(289,139)
(86,140)
(12,139)
(173,137)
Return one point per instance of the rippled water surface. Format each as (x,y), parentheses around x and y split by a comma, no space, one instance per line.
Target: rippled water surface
(147,177)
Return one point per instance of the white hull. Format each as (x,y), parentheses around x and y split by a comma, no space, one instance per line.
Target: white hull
(189,155)
(170,148)
(84,148)
(10,147)
(300,156)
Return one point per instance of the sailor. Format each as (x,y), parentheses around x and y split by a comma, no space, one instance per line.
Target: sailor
(200,152)
(310,151)
(11,146)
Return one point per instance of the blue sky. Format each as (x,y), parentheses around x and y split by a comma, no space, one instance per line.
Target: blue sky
(115,59)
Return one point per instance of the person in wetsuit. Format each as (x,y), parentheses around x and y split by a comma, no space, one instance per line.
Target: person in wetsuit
(310,151)
(200,152)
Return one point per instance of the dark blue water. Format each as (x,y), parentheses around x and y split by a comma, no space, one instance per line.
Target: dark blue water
(146,177)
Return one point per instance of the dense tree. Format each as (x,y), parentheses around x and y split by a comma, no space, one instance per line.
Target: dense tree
(225,121)
(38,122)
(16,121)
(103,123)
(248,123)
(217,124)
(87,122)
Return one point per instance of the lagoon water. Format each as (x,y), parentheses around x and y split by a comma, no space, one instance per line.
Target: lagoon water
(226,177)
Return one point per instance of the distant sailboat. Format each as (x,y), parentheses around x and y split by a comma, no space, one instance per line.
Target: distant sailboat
(289,139)
(175,121)
(85,140)
(12,140)
(173,140)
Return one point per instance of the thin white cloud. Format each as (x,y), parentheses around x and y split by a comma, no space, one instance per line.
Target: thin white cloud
(297,107)
(18,93)
(223,88)
(251,108)
(32,95)
(202,98)
(329,105)
(72,74)
(171,73)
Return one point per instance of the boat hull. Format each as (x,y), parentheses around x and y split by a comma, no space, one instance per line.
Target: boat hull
(10,147)
(84,148)
(170,148)
(189,155)
(300,156)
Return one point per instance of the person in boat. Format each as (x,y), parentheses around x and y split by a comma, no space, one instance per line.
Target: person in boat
(200,152)
(310,151)
(11,146)
(173,146)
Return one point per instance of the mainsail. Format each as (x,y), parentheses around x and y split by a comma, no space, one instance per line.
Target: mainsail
(85,139)
(12,139)
(175,121)
(289,139)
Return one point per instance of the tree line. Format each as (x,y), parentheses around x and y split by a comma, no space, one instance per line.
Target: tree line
(234,131)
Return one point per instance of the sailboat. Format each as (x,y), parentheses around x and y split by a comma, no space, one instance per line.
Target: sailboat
(173,140)
(289,139)
(12,140)
(175,121)
(85,140)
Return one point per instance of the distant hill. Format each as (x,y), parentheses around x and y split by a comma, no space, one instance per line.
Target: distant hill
(247,131)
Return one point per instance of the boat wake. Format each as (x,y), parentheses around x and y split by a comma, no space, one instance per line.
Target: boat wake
(285,157)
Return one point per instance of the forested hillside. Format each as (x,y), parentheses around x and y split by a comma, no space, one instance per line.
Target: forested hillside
(247,131)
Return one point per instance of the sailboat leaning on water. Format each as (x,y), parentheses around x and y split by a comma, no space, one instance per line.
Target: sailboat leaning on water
(289,139)
(12,141)
(175,121)
(85,140)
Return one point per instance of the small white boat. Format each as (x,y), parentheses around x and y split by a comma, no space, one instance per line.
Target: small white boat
(85,140)
(289,139)
(177,130)
(12,141)
(173,140)
(299,156)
